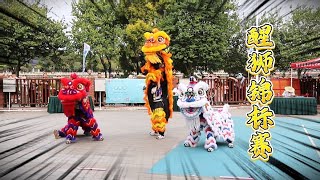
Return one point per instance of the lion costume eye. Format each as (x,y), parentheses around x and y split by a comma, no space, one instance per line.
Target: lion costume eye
(160,39)
(80,87)
(201,92)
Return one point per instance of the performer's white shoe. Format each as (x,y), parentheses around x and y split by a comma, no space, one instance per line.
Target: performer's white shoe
(160,137)
(154,133)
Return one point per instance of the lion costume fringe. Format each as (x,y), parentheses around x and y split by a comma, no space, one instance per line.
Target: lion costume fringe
(158,70)
(76,107)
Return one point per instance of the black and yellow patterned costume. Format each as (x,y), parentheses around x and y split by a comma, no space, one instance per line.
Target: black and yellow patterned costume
(158,70)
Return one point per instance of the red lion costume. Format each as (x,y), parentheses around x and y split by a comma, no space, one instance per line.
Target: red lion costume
(76,106)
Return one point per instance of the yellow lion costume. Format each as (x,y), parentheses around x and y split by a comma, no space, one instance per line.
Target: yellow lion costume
(158,70)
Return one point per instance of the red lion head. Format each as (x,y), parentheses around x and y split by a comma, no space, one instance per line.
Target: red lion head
(72,91)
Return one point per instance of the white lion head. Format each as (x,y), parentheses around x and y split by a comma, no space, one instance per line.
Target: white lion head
(192,98)
(192,92)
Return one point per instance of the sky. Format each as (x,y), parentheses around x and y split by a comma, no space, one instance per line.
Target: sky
(285,7)
(61,9)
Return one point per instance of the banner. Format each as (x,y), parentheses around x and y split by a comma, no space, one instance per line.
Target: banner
(86,49)
(9,85)
(124,90)
(260,92)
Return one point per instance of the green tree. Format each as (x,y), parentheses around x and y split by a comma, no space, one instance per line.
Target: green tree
(200,33)
(139,17)
(96,24)
(26,33)
(133,41)
(296,39)
(300,37)
(236,55)
(66,62)
(239,52)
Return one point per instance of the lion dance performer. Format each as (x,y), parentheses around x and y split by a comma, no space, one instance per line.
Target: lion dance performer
(76,107)
(199,116)
(158,70)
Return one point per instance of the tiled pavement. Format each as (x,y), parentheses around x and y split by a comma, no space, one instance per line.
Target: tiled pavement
(28,149)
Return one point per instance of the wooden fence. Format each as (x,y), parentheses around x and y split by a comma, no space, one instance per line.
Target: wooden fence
(35,92)
(228,90)
(310,88)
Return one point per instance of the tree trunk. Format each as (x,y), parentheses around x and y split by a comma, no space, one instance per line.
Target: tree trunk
(138,68)
(109,63)
(105,67)
(18,69)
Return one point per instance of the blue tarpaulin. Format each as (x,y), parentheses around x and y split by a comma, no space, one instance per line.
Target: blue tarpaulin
(124,90)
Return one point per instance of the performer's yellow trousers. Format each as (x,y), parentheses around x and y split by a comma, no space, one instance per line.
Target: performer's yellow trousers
(158,120)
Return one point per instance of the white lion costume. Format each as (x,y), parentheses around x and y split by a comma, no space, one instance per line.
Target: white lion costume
(199,115)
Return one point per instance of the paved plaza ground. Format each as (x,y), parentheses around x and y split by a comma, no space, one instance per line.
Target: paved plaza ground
(28,149)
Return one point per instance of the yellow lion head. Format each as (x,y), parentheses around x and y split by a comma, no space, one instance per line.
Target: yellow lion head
(155,41)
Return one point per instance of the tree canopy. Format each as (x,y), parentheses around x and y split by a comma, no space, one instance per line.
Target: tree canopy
(299,37)
(27,33)
(205,35)
(200,31)
(96,24)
